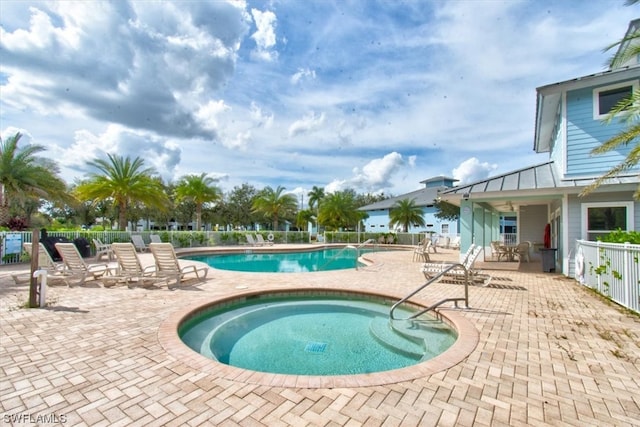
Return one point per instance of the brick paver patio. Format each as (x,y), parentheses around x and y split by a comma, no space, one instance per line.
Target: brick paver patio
(550,353)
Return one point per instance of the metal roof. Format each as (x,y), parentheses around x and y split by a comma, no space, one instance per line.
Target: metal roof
(422,197)
(542,178)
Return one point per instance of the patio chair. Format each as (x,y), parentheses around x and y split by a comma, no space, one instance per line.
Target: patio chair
(155,238)
(522,252)
(75,265)
(55,270)
(464,272)
(455,243)
(498,251)
(102,249)
(138,242)
(168,265)
(130,270)
(260,240)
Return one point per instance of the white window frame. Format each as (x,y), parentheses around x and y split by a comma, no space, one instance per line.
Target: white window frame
(596,97)
(585,206)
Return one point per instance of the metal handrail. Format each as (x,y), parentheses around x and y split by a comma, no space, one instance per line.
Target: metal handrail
(430,281)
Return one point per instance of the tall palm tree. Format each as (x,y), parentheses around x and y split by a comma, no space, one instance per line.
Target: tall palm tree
(339,210)
(123,180)
(628,109)
(315,196)
(24,175)
(200,189)
(404,213)
(275,205)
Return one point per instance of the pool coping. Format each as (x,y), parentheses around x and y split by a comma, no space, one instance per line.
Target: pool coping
(468,338)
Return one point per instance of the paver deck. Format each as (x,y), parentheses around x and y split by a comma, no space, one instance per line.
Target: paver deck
(550,353)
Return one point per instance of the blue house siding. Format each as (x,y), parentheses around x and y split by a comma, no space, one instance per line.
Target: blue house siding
(584,134)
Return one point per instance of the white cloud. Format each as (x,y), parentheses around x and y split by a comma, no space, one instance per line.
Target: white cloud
(473,170)
(265,35)
(303,73)
(308,123)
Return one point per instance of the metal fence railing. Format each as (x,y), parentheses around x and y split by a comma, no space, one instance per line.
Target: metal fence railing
(11,242)
(612,269)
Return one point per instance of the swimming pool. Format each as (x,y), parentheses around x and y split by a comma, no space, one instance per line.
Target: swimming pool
(314,334)
(285,262)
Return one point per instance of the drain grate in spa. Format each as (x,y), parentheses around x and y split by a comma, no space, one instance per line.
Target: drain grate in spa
(316,347)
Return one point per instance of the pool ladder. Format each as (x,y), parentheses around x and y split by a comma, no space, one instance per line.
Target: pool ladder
(439,303)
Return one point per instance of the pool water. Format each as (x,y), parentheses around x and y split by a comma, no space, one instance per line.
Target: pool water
(312,335)
(284,262)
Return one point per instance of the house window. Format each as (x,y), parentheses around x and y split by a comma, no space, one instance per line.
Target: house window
(445,228)
(606,98)
(599,219)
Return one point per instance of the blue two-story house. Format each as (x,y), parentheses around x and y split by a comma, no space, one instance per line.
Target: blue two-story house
(569,124)
(378,219)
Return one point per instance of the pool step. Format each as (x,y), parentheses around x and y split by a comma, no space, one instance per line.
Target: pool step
(381,330)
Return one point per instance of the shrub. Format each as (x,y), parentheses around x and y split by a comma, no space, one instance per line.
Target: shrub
(619,236)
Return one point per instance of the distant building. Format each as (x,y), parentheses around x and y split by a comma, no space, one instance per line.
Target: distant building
(425,198)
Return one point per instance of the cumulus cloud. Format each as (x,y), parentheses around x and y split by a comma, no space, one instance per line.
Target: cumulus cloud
(375,176)
(303,73)
(260,118)
(265,35)
(307,124)
(158,63)
(473,170)
(163,155)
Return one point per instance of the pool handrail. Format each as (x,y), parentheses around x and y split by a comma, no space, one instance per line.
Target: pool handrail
(434,306)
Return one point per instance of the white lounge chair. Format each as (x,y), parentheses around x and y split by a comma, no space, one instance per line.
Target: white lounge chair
(168,265)
(250,239)
(138,242)
(261,242)
(421,252)
(77,267)
(102,249)
(461,273)
(130,270)
(55,270)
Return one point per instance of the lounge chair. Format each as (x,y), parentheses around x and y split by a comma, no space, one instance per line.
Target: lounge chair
(167,264)
(155,238)
(422,251)
(55,270)
(76,267)
(138,242)
(461,273)
(102,249)
(250,239)
(130,270)
(261,242)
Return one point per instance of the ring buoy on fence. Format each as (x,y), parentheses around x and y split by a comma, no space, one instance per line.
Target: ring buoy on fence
(580,266)
(270,237)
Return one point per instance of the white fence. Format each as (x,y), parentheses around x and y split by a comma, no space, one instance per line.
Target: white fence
(613,269)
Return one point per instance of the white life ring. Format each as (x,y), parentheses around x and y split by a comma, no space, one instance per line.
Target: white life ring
(579,265)
(270,237)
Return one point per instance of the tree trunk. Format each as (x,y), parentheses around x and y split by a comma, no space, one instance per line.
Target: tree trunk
(198,216)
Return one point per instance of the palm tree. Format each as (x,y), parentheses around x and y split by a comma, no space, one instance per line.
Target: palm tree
(123,180)
(339,210)
(315,196)
(274,205)
(629,109)
(23,176)
(404,213)
(200,190)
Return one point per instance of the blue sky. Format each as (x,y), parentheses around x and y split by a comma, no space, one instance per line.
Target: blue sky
(370,95)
